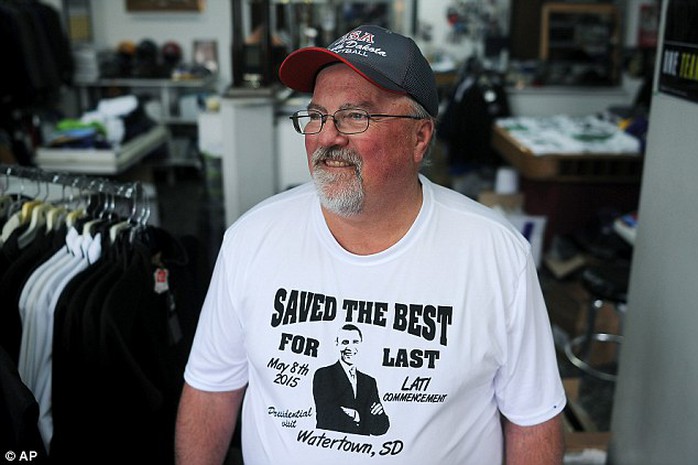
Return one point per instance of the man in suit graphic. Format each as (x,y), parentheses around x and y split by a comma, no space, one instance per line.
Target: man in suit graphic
(346,399)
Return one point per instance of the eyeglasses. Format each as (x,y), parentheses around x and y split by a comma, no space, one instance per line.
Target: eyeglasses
(348,121)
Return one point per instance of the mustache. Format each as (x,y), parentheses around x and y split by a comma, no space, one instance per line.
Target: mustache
(336,153)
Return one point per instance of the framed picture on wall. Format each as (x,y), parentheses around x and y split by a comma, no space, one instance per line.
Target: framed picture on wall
(206,54)
(648,26)
(164,5)
(78,19)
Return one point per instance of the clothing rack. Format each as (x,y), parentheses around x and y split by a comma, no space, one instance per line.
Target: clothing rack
(108,189)
(98,313)
(127,190)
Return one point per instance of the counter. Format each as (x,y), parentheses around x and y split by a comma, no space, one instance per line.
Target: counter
(570,188)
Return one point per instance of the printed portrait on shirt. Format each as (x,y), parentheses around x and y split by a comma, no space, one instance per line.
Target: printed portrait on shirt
(346,399)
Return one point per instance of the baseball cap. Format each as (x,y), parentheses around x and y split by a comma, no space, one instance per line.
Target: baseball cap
(387,59)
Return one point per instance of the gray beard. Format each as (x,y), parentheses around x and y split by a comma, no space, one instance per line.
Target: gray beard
(342,194)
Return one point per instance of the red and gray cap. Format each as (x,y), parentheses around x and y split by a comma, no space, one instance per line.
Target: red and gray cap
(388,60)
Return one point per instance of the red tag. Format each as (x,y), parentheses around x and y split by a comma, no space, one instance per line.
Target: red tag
(161,280)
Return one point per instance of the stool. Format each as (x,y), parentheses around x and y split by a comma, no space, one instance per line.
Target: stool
(606,283)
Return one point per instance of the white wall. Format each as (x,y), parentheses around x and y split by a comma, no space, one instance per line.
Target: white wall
(432,13)
(113,24)
(574,101)
(655,410)
(57,4)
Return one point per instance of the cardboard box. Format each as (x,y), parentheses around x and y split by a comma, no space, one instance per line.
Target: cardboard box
(507,202)
(580,431)
(511,206)
(533,229)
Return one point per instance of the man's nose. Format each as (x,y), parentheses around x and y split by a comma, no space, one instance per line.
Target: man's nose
(329,135)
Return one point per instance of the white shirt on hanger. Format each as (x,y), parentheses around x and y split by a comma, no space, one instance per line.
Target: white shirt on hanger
(35,358)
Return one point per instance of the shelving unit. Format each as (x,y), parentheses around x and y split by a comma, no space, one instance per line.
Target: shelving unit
(581,41)
(181,126)
(167,90)
(102,161)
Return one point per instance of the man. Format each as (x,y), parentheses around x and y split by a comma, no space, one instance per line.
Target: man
(444,290)
(345,398)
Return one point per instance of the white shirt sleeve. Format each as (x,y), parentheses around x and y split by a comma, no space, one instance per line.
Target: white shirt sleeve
(528,387)
(218,361)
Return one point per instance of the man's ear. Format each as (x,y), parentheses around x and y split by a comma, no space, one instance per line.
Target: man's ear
(424,134)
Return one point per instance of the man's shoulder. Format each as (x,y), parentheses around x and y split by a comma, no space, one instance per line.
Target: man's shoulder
(273,222)
(458,206)
(366,376)
(465,219)
(330,366)
(327,370)
(294,202)
(294,196)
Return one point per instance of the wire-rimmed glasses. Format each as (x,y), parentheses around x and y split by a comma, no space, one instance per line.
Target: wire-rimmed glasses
(347,121)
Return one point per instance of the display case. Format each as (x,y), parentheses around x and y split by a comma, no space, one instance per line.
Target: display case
(580,43)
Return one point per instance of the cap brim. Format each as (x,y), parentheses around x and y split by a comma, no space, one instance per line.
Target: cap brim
(299,70)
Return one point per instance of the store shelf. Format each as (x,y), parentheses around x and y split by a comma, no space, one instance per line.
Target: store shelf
(102,162)
(172,111)
(581,41)
(167,91)
(156,83)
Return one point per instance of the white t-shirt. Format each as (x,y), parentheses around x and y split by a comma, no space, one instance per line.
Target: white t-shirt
(454,331)
(35,363)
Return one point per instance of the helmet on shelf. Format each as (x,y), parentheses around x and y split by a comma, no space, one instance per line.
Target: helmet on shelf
(126,47)
(171,53)
(147,51)
(146,60)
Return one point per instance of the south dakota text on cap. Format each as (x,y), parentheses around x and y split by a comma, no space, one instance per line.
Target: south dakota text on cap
(388,60)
